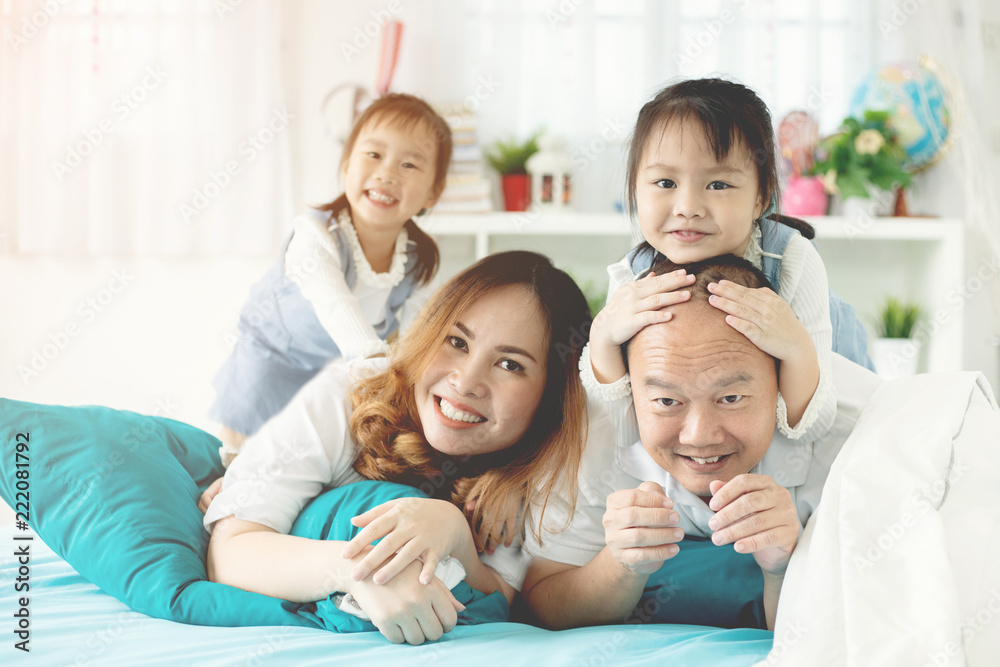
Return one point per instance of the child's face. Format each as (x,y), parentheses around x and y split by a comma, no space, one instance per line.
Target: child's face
(389,175)
(691,206)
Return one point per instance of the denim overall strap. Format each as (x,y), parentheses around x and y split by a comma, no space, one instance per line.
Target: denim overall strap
(850,338)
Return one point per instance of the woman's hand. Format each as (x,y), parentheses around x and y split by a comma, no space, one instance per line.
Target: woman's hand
(758,515)
(211,492)
(406,610)
(410,528)
(633,306)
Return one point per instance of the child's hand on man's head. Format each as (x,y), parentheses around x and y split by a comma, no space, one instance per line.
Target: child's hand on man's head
(764,318)
(757,515)
(632,307)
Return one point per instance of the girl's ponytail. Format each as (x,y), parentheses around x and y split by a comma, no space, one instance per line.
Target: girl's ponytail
(428,256)
(801,226)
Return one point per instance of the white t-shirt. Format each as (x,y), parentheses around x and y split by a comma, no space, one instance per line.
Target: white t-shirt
(802,468)
(349,315)
(308,446)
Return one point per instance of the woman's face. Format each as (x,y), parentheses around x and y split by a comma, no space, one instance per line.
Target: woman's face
(484,384)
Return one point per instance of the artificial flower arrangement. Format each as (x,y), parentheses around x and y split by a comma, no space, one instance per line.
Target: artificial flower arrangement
(863,152)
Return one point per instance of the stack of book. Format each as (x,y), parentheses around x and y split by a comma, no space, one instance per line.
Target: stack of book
(468,186)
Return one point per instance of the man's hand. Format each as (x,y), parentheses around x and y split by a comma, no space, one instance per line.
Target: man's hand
(757,514)
(640,528)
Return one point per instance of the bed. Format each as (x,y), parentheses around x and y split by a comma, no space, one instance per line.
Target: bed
(116,565)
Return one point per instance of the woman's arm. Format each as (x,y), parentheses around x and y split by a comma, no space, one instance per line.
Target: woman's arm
(255,558)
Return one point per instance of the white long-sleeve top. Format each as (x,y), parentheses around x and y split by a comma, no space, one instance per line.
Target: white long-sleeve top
(349,315)
(805,287)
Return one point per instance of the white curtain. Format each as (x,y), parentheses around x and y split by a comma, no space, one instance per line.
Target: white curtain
(582,70)
(142,127)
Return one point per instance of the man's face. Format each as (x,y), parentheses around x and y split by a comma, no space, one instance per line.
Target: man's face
(705,396)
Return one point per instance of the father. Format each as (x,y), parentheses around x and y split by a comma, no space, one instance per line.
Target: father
(710,470)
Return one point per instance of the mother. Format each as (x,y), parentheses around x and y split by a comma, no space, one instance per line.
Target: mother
(481,404)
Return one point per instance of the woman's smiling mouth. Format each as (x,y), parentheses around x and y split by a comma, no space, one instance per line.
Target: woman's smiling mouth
(459,418)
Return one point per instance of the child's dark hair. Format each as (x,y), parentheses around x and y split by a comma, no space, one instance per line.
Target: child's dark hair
(730,115)
(406,111)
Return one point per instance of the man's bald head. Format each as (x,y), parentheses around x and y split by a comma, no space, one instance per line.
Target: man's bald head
(704,394)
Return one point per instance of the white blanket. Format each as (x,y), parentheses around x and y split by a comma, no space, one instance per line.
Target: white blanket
(900,564)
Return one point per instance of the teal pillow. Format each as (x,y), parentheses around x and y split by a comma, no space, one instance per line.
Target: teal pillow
(115,494)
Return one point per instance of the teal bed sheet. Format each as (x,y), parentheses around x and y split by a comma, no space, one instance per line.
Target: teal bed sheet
(73,622)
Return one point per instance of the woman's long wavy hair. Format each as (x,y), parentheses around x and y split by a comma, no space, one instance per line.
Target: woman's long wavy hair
(501,484)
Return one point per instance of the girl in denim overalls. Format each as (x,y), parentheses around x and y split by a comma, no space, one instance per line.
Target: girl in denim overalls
(353,272)
(702,181)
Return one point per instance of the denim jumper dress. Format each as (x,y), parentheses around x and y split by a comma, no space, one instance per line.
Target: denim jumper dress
(281,344)
(850,338)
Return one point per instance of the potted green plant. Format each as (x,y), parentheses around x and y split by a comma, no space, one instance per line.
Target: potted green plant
(863,163)
(509,157)
(894,351)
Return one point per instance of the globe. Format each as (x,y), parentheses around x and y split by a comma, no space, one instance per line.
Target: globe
(915,99)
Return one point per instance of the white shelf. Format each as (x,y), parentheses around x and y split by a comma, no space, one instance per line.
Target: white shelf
(612,224)
(921,259)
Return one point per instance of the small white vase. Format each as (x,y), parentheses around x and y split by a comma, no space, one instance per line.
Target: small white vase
(895,357)
(879,203)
